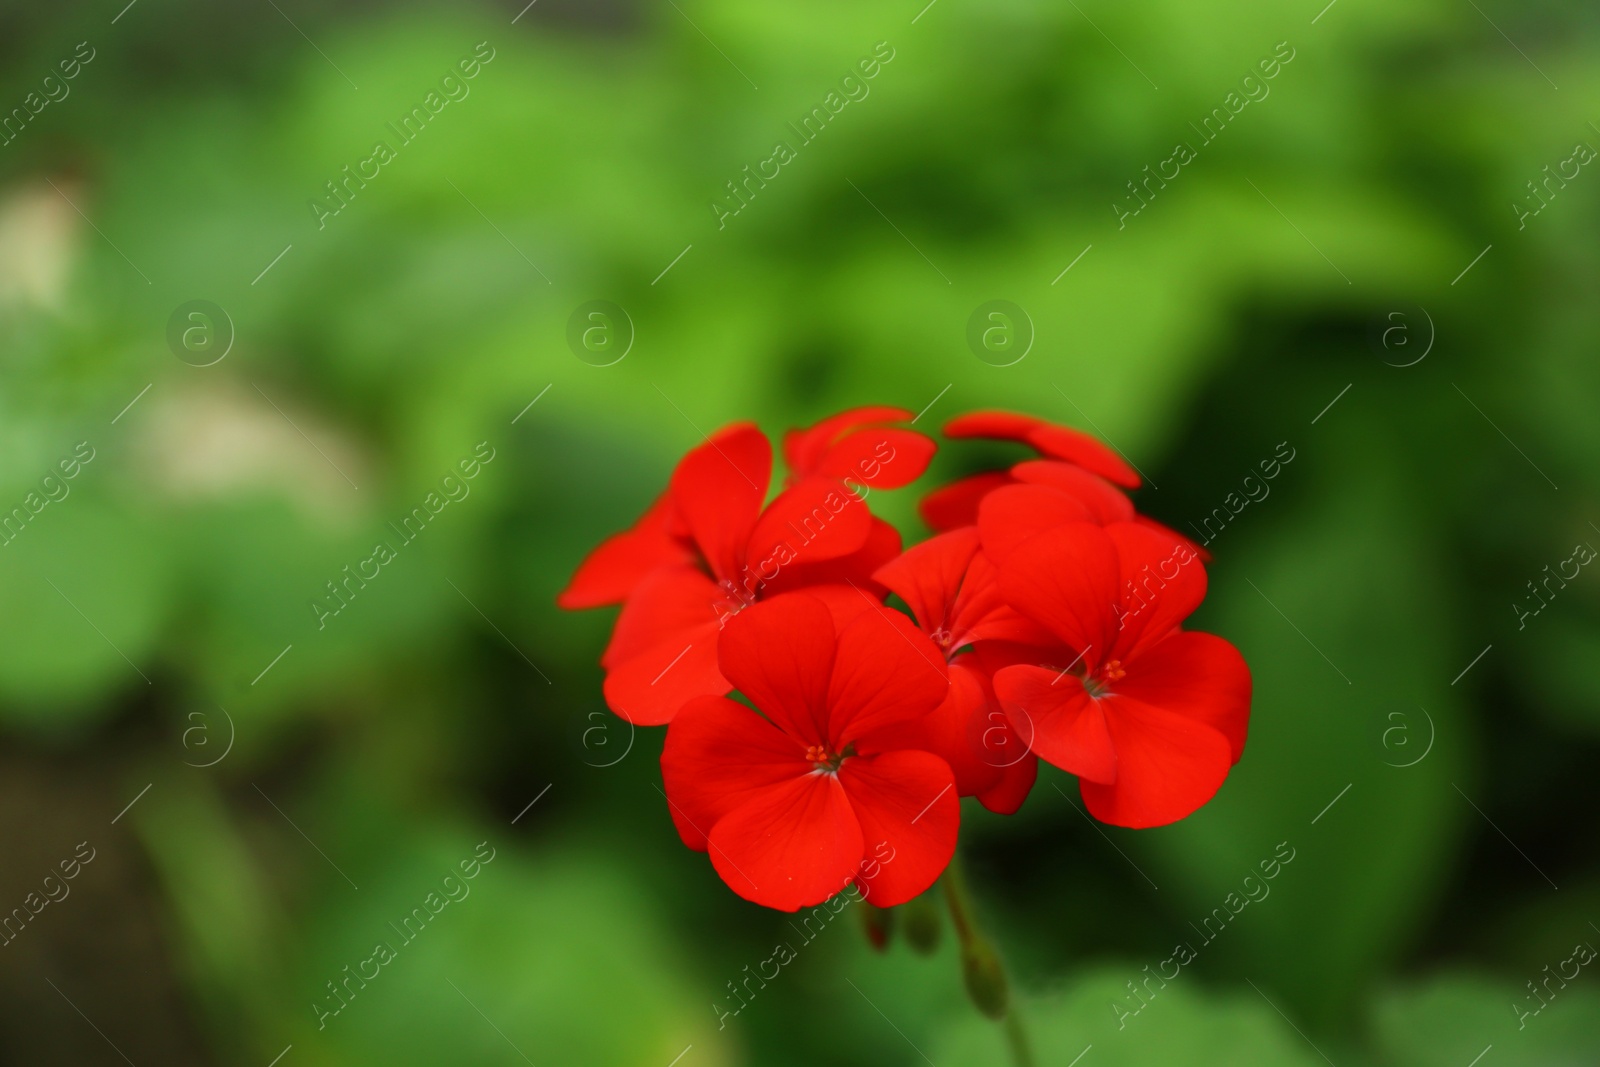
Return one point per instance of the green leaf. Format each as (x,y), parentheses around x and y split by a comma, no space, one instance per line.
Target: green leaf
(1448,1021)
(93,585)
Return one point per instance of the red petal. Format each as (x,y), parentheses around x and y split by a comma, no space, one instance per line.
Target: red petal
(1197,675)
(668,604)
(818,519)
(856,569)
(1167,766)
(971,733)
(609,573)
(718,489)
(1012,514)
(992,657)
(844,602)
(648,688)
(780,654)
(1162,582)
(982,614)
(953,591)
(994,425)
(1067,580)
(803,450)
(928,576)
(1106,503)
(956,504)
(789,845)
(1067,726)
(881,458)
(1075,446)
(1058,442)
(885,671)
(1016,782)
(1167,531)
(954,731)
(909,814)
(717,755)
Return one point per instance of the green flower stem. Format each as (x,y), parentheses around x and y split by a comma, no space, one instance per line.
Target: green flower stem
(1017,1040)
(981,969)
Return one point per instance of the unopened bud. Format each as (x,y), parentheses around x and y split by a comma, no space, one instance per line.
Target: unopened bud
(878,924)
(984,977)
(919,918)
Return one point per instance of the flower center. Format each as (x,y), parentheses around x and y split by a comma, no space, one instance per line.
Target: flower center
(823,760)
(1110,671)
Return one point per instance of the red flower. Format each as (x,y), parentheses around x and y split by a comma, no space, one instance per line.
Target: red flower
(795,806)
(850,446)
(1150,718)
(957,504)
(663,650)
(951,589)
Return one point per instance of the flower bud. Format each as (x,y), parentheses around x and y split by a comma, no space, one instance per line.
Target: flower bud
(878,923)
(919,918)
(985,978)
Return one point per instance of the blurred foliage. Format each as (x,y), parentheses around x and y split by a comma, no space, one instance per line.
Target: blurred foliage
(1184,1026)
(169,590)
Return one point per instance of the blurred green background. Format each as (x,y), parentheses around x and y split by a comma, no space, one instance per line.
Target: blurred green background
(298,785)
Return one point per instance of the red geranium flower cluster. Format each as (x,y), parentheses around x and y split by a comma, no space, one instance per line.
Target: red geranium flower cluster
(1043,621)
